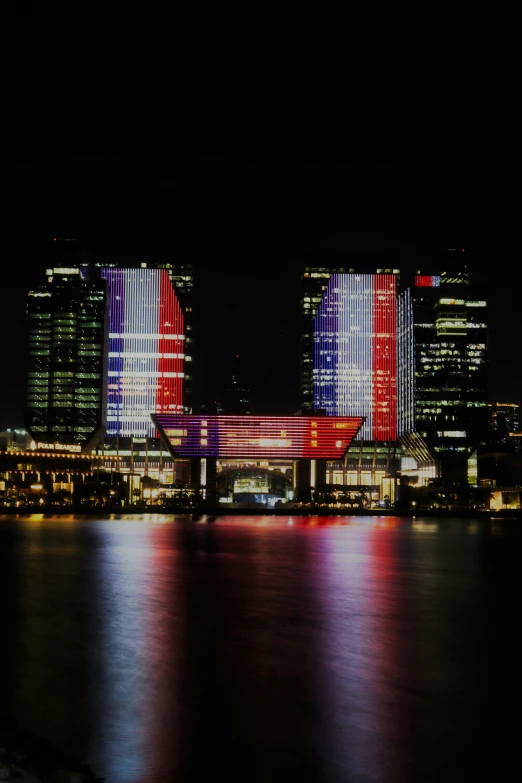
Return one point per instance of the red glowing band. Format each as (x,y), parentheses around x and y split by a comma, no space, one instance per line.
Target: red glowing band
(427,281)
(384,387)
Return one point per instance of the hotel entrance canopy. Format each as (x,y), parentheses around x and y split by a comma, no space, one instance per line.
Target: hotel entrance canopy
(258,437)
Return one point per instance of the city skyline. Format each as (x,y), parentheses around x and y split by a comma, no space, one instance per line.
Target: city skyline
(260,470)
(248,250)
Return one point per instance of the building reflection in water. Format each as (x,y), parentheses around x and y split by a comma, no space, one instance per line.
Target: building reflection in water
(46,685)
(356,595)
(250,687)
(140,642)
(336,650)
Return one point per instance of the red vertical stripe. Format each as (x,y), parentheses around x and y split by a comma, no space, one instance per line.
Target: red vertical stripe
(169,397)
(384,391)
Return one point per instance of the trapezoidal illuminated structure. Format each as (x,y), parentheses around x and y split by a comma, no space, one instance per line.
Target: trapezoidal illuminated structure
(307,440)
(258,437)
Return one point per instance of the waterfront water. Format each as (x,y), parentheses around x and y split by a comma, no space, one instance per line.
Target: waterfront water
(266,648)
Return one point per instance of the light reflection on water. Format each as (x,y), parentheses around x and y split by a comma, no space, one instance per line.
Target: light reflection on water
(263,648)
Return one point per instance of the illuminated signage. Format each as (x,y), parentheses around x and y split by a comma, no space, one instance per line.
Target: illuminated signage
(427,281)
(291,437)
(72,447)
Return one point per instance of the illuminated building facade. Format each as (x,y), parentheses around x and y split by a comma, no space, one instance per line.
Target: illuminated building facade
(355,352)
(149,355)
(451,339)
(67,368)
(307,441)
(357,360)
(314,284)
(146,367)
(282,437)
(405,365)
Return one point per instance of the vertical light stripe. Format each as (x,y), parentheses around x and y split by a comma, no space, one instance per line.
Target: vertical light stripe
(355,333)
(141,319)
(405,365)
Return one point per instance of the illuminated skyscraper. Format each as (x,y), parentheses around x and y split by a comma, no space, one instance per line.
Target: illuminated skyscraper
(354,365)
(412,361)
(67,370)
(314,284)
(146,369)
(355,352)
(451,337)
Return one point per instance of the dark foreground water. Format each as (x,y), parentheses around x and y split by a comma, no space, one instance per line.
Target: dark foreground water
(266,649)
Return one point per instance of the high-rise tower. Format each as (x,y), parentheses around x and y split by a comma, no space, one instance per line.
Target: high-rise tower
(149,355)
(451,338)
(355,352)
(146,350)
(67,371)
(352,361)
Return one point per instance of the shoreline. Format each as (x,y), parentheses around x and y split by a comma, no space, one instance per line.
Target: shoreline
(50,511)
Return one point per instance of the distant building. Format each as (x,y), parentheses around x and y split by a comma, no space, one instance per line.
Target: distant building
(67,360)
(504,421)
(235,398)
(451,342)
(14,440)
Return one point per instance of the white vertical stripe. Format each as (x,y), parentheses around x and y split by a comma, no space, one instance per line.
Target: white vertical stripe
(141,321)
(355,360)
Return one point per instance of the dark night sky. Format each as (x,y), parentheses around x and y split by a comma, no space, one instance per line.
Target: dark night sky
(246,225)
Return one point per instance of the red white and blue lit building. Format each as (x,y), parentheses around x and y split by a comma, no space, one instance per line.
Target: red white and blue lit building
(355,352)
(298,445)
(411,361)
(357,360)
(149,355)
(111,337)
(146,361)
(357,349)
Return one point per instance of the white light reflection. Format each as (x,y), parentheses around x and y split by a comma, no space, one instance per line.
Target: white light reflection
(135,653)
(425,527)
(352,648)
